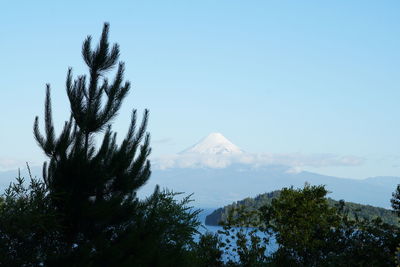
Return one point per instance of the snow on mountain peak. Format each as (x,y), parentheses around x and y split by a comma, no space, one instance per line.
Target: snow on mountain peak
(215,151)
(214,144)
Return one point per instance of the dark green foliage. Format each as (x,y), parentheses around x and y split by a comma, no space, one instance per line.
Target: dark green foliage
(310,232)
(28,225)
(304,225)
(365,243)
(161,235)
(396,200)
(243,239)
(94,190)
(353,210)
(365,212)
(167,227)
(207,251)
(221,215)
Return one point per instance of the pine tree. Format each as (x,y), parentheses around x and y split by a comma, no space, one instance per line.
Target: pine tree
(93,189)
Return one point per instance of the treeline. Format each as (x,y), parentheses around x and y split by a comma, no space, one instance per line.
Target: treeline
(353,210)
(308,231)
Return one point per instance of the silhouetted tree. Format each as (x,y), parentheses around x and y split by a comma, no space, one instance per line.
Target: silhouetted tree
(396,200)
(94,189)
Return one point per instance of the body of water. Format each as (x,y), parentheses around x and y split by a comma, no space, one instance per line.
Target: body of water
(229,254)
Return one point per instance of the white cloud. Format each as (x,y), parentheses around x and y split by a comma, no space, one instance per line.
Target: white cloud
(7,164)
(295,160)
(10,164)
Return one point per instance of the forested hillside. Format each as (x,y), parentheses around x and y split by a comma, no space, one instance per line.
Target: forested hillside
(353,210)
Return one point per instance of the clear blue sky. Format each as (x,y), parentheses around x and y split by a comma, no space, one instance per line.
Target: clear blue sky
(272,76)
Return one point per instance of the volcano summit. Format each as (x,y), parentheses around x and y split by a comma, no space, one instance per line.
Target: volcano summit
(214,144)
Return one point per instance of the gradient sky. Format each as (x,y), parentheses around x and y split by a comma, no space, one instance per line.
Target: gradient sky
(305,77)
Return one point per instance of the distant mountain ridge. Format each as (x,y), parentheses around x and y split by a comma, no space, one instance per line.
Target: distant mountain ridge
(218,173)
(216,187)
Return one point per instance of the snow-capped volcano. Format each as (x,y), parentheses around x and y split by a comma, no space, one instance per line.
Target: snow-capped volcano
(214,144)
(215,151)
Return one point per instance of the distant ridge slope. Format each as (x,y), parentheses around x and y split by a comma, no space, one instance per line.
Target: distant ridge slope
(217,187)
(219,172)
(353,209)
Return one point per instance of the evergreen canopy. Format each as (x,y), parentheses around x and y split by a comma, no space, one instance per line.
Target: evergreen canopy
(94,188)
